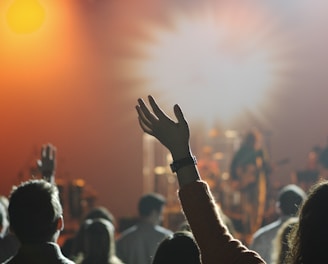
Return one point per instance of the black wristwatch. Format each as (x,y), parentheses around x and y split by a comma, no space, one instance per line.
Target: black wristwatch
(178,164)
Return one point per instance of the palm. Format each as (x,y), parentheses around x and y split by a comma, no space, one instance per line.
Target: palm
(173,135)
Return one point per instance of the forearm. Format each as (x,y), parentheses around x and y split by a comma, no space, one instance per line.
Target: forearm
(213,238)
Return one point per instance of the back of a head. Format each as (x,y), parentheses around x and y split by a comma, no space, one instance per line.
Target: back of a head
(178,248)
(100,212)
(34,210)
(98,241)
(150,202)
(309,238)
(290,199)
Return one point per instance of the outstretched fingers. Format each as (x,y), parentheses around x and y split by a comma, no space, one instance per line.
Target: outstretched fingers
(157,110)
(145,111)
(145,128)
(142,117)
(144,123)
(48,152)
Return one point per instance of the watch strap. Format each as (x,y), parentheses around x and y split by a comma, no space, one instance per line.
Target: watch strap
(178,164)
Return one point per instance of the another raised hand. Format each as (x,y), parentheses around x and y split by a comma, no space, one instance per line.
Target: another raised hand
(173,135)
(47,163)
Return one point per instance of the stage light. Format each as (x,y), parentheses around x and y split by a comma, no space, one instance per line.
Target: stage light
(25,16)
(216,63)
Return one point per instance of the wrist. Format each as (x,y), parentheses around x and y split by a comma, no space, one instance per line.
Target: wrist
(180,153)
(47,173)
(184,162)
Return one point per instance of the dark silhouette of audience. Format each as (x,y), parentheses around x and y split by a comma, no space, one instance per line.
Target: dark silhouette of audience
(289,200)
(99,242)
(138,244)
(308,239)
(35,215)
(73,246)
(178,248)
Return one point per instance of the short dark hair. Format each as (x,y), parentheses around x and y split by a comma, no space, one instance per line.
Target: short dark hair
(180,247)
(34,210)
(308,239)
(150,202)
(290,199)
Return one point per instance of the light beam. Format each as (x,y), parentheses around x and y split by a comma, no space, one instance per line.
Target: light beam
(215,63)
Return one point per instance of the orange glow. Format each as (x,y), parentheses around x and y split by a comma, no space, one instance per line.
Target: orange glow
(51,51)
(25,16)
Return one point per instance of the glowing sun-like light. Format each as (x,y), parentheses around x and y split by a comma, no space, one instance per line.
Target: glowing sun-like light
(215,65)
(25,16)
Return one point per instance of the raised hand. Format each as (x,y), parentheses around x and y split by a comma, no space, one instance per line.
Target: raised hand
(47,163)
(173,135)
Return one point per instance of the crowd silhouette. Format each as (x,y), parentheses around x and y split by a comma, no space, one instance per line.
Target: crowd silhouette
(31,218)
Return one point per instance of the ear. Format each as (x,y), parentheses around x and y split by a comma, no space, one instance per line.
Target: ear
(60,223)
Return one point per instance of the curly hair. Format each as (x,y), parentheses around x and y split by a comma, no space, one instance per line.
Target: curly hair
(308,240)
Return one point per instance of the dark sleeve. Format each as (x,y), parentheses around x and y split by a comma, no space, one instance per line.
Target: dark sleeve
(214,240)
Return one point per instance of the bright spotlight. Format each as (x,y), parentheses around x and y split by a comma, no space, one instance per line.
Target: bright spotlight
(215,64)
(25,16)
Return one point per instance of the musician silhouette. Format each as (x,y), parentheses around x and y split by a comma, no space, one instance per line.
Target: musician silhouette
(248,173)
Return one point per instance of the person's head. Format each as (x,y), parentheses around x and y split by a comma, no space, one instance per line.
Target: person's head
(98,241)
(178,248)
(35,213)
(290,199)
(253,139)
(95,213)
(100,212)
(151,206)
(313,157)
(309,238)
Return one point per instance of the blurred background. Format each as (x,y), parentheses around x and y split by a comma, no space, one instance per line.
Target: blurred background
(72,70)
